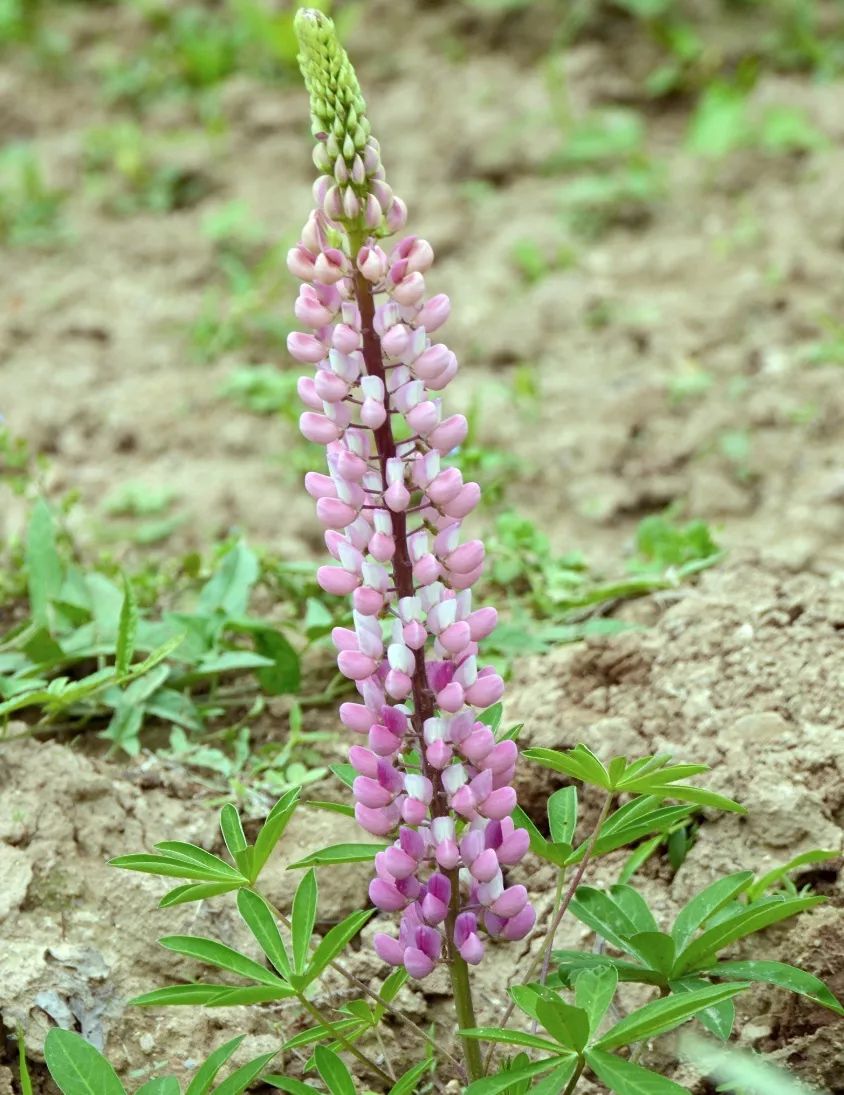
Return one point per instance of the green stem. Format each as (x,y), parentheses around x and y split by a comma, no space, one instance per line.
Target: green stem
(461,986)
(342,1039)
(578,1072)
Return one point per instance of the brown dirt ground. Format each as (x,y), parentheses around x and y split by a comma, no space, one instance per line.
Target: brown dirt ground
(732,273)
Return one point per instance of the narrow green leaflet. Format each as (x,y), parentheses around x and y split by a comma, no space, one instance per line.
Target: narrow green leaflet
(718,1019)
(626,1078)
(562,815)
(556,1081)
(167,1085)
(171,867)
(262,923)
(594,990)
(569,1025)
(635,908)
(204,1078)
(199,858)
(331,807)
(340,853)
(273,829)
(772,877)
(196,891)
(335,940)
(571,963)
(783,976)
(218,954)
(662,1015)
(303,919)
(760,915)
(656,949)
(511,1038)
(706,904)
(193,995)
(349,1028)
(242,1077)
(493,1085)
(23,1067)
(558,854)
(580,762)
(334,1073)
(492,716)
(232,830)
(127,629)
(406,1084)
(289,1084)
(598,911)
(77,1067)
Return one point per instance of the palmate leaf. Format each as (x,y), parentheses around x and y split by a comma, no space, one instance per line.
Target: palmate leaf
(783,976)
(626,1078)
(747,920)
(77,1067)
(558,854)
(665,1014)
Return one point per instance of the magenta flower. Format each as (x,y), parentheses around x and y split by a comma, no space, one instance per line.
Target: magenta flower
(428,770)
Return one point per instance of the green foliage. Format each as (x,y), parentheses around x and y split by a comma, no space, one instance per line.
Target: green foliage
(723,122)
(30,208)
(79,1069)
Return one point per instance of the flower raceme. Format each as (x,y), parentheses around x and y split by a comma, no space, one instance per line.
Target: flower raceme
(428,771)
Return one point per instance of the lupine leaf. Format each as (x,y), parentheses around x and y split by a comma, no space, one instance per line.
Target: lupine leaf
(662,1015)
(262,923)
(170,867)
(340,853)
(350,1028)
(289,1084)
(406,1083)
(748,920)
(511,1038)
(331,807)
(782,975)
(334,941)
(634,906)
(706,904)
(718,1019)
(179,995)
(303,918)
(492,716)
(815,855)
(334,1073)
(493,1085)
(273,829)
(204,1078)
(242,1077)
(166,1085)
(220,955)
(580,762)
(556,1081)
(232,830)
(77,1067)
(569,1025)
(572,962)
(201,859)
(594,990)
(656,949)
(195,891)
(626,1078)
(598,911)
(250,994)
(562,815)
(127,630)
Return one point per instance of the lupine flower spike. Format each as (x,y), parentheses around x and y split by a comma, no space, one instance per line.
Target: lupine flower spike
(430,773)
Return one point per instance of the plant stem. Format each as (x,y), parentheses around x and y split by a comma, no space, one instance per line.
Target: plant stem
(543,961)
(424,705)
(342,1039)
(578,1072)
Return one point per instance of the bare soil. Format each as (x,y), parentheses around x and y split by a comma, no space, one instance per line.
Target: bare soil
(732,275)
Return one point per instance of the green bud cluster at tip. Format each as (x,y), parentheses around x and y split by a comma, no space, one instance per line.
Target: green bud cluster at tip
(338,108)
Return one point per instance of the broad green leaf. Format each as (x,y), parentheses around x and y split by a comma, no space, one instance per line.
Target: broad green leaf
(572,962)
(196,891)
(580,762)
(302,919)
(569,1025)
(127,629)
(167,1085)
(600,912)
(340,853)
(707,903)
(204,1078)
(594,990)
(43,565)
(199,858)
(665,1014)
(170,867)
(626,1078)
(228,589)
(334,1073)
(717,1019)
(493,1085)
(406,1083)
(273,829)
(219,955)
(741,1071)
(262,923)
(77,1067)
(770,878)
(179,995)
(242,1077)
(335,940)
(511,1038)
(782,975)
(746,921)
(562,815)
(656,949)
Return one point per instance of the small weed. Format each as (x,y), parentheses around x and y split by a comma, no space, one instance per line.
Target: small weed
(263,389)
(30,209)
